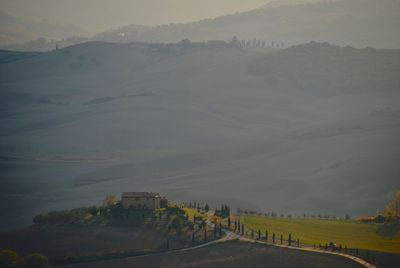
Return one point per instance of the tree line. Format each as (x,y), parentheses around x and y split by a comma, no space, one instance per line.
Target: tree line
(256,43)
(273,214)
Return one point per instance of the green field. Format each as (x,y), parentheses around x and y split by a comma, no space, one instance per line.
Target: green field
(352,234)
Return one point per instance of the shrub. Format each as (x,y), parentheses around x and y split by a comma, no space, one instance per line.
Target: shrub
(380,219)
(36,261)
(8,258)
(77,214)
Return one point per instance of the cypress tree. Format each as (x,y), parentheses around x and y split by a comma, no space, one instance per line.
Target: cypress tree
(281,239)
(266,235)
(207,208)
(290,240)
(229,221)
(273,238)
(259,234)
(242,229)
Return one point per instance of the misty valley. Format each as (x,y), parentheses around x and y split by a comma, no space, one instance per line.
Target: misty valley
(176,146)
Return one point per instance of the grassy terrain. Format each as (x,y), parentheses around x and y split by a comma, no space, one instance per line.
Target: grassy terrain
(352,234)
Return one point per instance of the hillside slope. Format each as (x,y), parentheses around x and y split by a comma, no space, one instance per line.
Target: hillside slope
(358,23)
(211,123)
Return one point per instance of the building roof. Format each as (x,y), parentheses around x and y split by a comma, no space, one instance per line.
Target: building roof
(139,194)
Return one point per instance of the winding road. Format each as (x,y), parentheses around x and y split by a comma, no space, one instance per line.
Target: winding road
(230,236)
(310,249)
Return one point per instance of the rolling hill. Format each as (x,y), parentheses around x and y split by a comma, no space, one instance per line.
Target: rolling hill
(261,129)
(358,23)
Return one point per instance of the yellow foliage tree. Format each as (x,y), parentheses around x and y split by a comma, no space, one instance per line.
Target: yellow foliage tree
(109,201)
(8,258)
(393,206)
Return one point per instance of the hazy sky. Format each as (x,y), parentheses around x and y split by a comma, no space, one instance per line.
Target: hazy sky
(97,15)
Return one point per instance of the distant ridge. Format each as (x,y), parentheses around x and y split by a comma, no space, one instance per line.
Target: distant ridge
(357,23)
(278,3)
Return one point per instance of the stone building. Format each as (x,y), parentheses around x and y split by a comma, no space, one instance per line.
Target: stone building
(141,200)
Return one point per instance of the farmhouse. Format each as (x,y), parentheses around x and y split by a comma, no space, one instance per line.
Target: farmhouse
(141,200)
